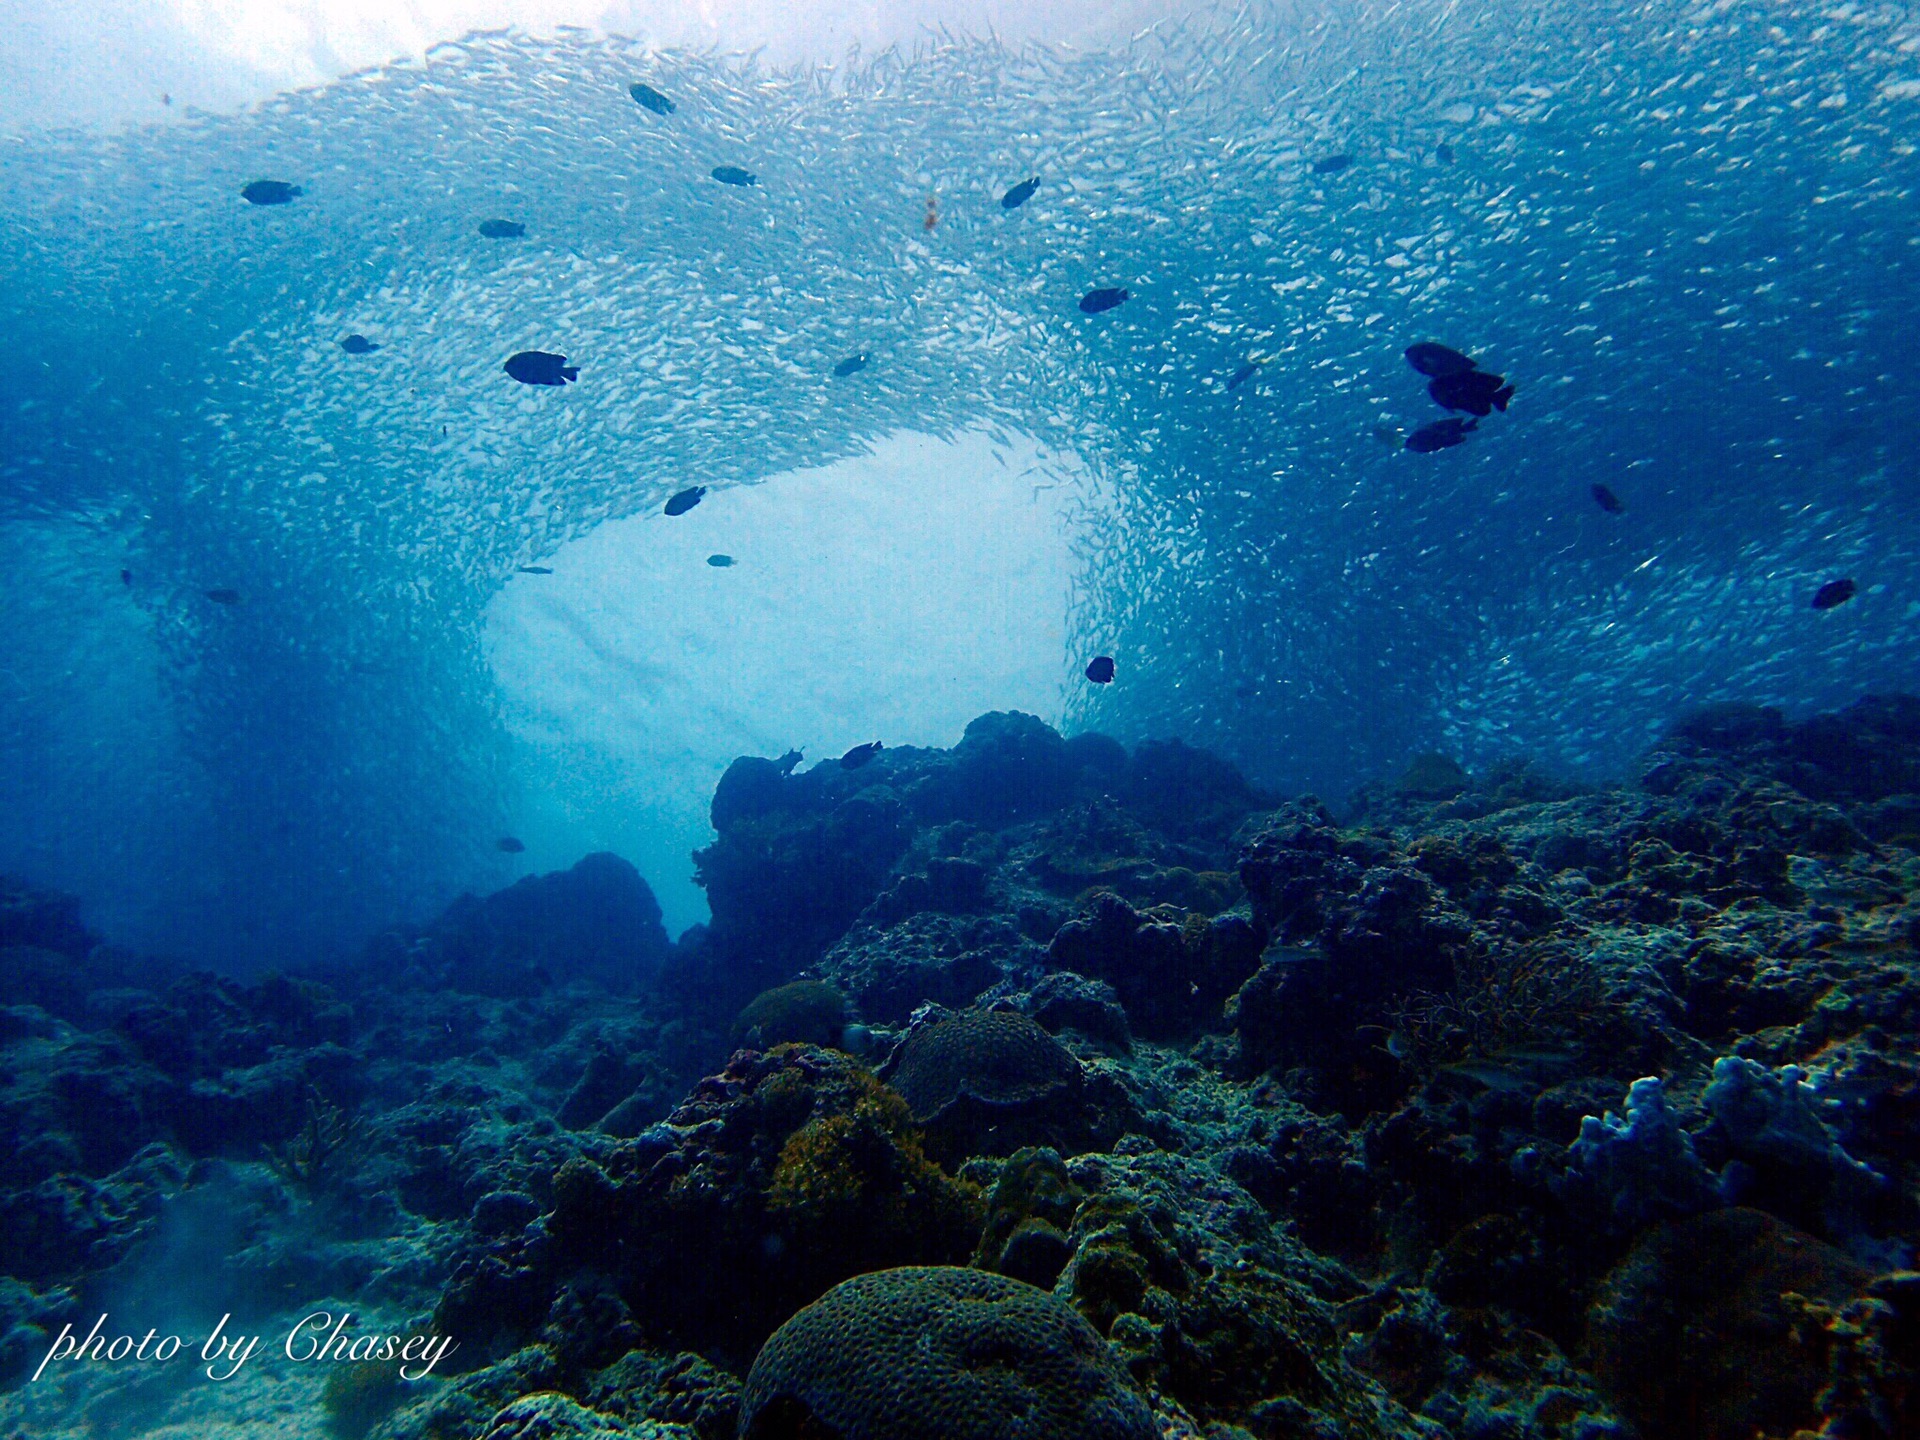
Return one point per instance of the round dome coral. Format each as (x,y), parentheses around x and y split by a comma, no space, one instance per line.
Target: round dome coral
(995,1057)
(940,1351)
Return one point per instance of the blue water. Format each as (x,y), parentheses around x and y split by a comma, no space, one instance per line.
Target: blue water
(1686,234)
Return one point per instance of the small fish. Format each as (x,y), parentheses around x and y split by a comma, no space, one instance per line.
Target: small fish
(686,500)
(1439,435)
(1105,298)
(509,844)
(270,192)
(1100,670)
(1332,164)
(126,577)
(1245,373)
(358,345)
(1437,360)
(1474,391)
(537,367)
(232,597)
(860,755)
(1607,500)
(1020,194)
(648,98)
(933,215)
(787,761)
(502,229)
(1834,592)
(734,175)
(536,569)
(719,562)
(852,365)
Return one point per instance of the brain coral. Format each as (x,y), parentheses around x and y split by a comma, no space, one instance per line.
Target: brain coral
(995,1057)
(939,1351)
(804,1011)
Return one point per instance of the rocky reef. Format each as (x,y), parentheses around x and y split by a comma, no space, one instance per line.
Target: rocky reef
(1493,1107)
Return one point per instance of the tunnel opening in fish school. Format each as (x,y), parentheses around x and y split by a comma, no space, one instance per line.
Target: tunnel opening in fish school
(880,596)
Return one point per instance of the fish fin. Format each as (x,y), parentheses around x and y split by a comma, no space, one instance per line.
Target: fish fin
(572,372)
(1501,397)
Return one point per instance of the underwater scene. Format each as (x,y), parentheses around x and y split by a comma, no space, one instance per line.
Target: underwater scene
(1206,729)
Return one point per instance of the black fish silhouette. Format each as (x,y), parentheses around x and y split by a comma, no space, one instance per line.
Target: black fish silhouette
(1474,391)
(1437,360)
(224,596)
(502,229)
(860,755)
(536,569)
(1439,435)
(686,500)
(852,365)
(1245,373)
(1020,194)
(126,577)
(270,192)
(509,844)
(787,761)
(1105,298)
(1444,152)
(358,345)
(648,98)
(1100,670)
(537,367)
(719,562)
(1331,164)
(734,175)
(1607,500)
(1834,592)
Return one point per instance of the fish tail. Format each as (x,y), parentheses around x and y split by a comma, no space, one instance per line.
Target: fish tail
(572,372)
(1501,397)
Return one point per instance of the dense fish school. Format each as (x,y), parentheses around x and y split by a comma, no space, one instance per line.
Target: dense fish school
(1520,178)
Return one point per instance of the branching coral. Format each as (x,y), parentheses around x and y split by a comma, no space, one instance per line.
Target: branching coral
(310,1156)
(1541,994)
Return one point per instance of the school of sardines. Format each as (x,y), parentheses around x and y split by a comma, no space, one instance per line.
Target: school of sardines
(1438,375)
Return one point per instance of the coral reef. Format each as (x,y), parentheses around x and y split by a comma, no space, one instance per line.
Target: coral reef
(1499,1108)
(1694,1328)
(777,1177)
